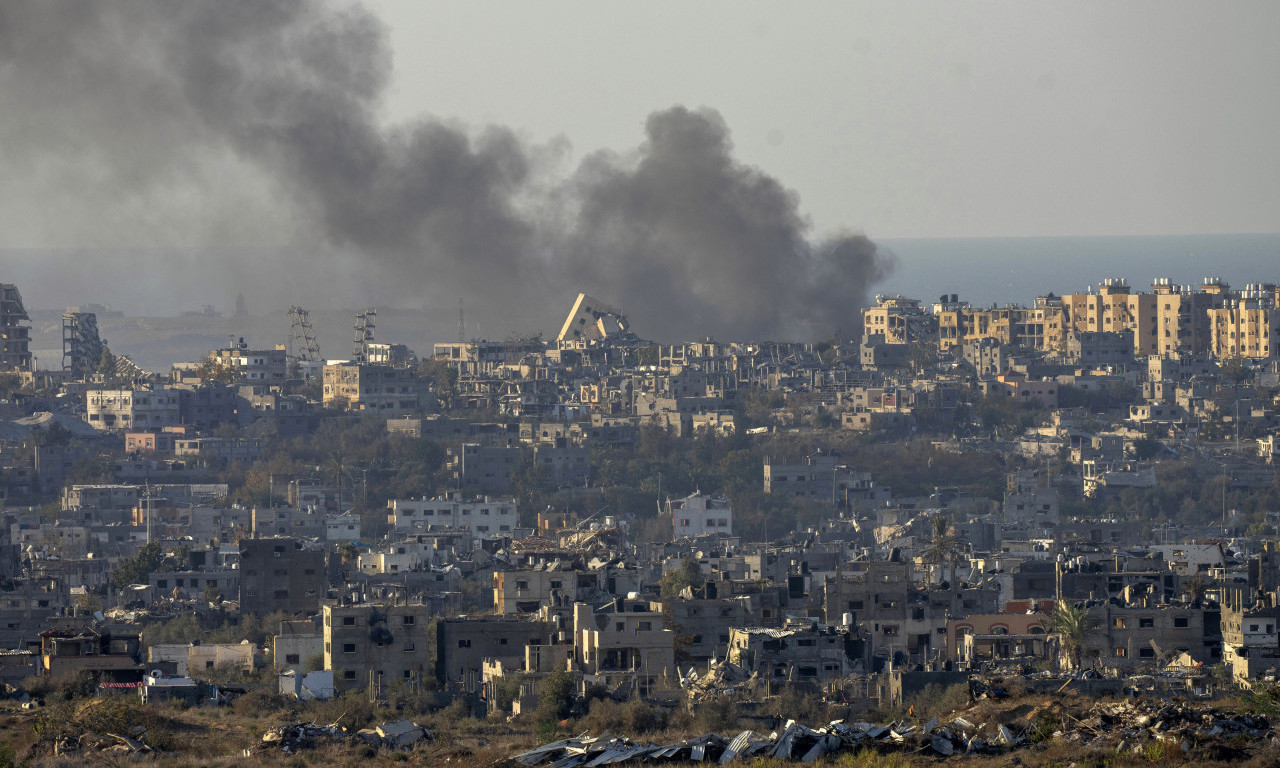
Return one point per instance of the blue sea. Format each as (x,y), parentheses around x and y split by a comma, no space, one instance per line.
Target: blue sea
(984,271)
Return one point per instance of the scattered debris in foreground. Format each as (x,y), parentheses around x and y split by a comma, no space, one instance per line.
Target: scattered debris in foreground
(1116,726)
(294,737)
(111,742)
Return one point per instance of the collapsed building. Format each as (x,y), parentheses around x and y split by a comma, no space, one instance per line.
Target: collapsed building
(592,320)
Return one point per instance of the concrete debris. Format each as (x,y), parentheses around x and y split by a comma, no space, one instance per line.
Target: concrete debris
(1126,725)
(111,742)
(721,678)
(1121,726)
(399,734)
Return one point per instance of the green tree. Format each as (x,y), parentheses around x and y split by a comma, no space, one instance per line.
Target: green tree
(687,574)
(211,370)
(445,377)
(555,695)
(54,434)
(649,354)
(107,363)
(10,383)
(136,569)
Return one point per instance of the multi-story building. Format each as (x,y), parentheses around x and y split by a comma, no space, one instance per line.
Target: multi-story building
(626,636)
(702,623)
(75,647)
(463,645)
(1182,317)
(899,619)
(1122,635)
(15,331)
(1038,327)
(296,644)
(380,389)
(482,515)
(81,346)
(256,366)
(280,575)
(376,645)
(1250,633)
(896,320)
(481,469)
(699,514)
(211,404)
(562,463)
(526,590)
(1113,308)
(813,479)
(806,653)
(1247,327)
(132,409)
(229,449)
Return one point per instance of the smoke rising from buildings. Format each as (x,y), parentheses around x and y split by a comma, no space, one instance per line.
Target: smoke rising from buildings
(239,123)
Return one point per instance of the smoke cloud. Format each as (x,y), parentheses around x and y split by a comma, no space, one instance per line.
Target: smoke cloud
(144,123)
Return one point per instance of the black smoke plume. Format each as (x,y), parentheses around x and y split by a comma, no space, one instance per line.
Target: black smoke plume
(231,122)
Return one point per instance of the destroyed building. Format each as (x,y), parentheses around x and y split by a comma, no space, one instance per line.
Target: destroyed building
(15,331)
(592,320)
(82,347)
(798,653)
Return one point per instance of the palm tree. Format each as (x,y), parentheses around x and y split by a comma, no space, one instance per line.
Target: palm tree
(943,547)
(1068,623)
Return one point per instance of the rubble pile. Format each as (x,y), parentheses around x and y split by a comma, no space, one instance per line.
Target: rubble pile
(795,741)
(401,734)
(107,743)
(719,679)
(1126,725)
(293,737)
(1117,726)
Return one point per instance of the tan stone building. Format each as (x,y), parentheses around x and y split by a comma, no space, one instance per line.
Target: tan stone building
(895,320)
(1246,327)
(378,389)
(1182,319)
(1114,308)
(1039,327)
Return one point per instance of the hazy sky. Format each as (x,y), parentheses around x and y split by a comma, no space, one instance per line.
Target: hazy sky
(904,119)
(708,166)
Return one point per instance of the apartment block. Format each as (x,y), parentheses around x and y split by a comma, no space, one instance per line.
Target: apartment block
(132,409)
(379,644)
(280,575)
(1247,327)
(379,389)
(483,515)
(15,330)
(699,514)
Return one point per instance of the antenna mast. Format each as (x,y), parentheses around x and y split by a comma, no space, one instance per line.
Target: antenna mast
(363,335)
(303,338)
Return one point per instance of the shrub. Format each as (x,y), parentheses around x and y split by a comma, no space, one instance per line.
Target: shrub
(718,714)
(632,718)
